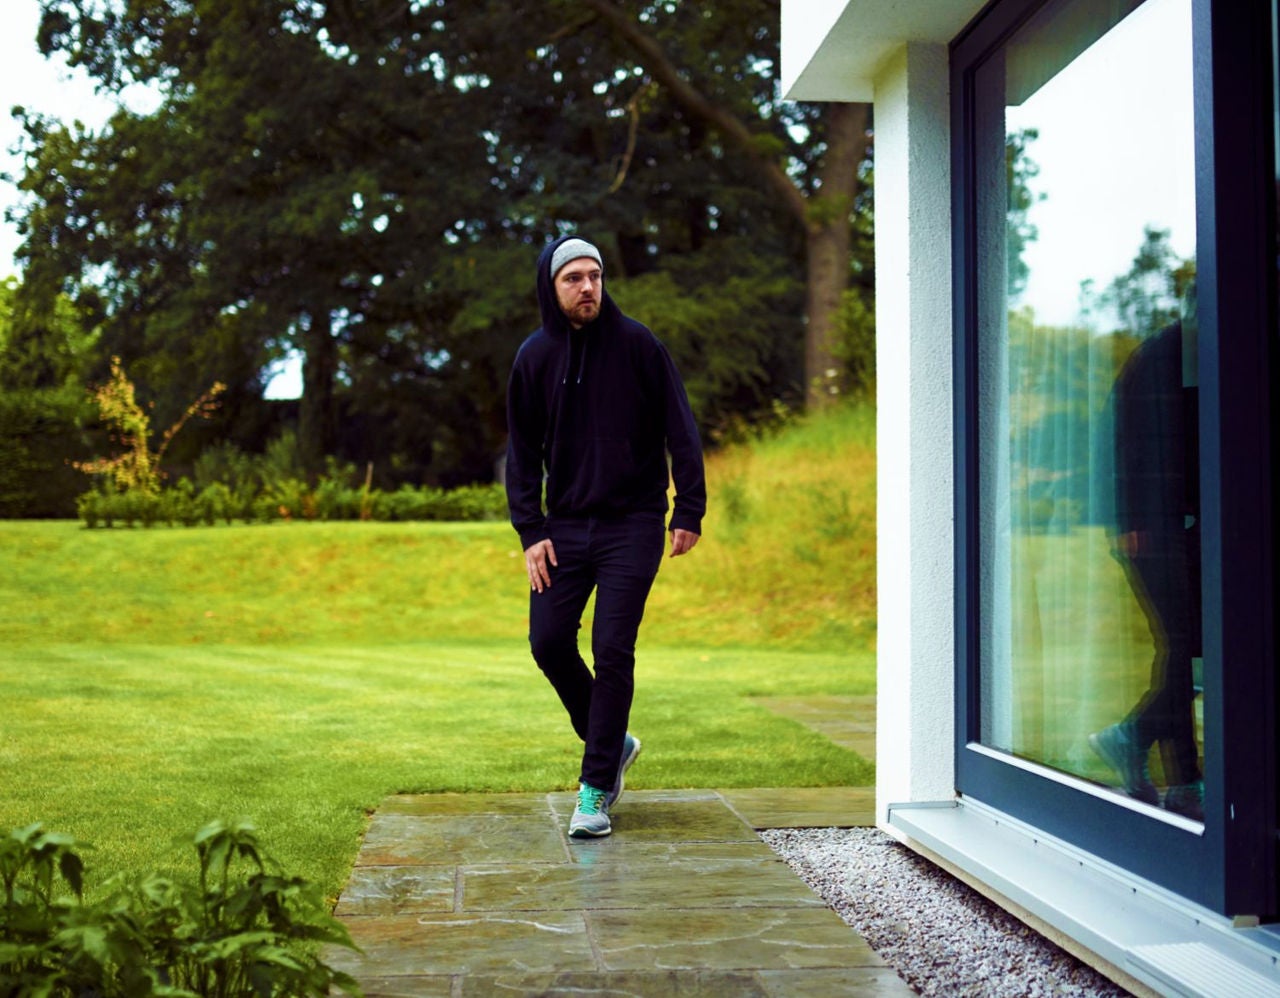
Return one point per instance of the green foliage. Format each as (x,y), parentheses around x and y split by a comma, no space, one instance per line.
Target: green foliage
(41,436)
(731,320)
(43,412)
(791,510)
(1020,171)
(329,582)
(230,485)
(294,192)
(45,344)
(231,478)
(246,929)
(855,344)
(289,499)
(135,470)
(1148,296)
(281,465)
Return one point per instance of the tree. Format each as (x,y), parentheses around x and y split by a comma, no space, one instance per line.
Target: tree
(367,183)
(822,203)
(272,199)
(1148,296)
(1020,170)
(43,408)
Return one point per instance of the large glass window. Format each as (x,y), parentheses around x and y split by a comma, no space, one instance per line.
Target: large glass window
(1088,530)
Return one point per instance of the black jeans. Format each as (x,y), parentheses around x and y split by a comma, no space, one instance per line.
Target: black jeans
(618,557)
(1166,581)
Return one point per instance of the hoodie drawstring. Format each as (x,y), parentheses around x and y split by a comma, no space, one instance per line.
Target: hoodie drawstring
(582,359)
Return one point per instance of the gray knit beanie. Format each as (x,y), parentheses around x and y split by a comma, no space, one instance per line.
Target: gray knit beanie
(570,250)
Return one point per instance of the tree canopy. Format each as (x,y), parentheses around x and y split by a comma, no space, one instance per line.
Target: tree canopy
(367,184)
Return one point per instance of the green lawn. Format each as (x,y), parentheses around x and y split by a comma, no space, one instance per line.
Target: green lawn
(131,746)
(298,673)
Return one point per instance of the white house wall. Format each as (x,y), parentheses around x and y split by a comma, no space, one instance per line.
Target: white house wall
(915,659)
(895,54)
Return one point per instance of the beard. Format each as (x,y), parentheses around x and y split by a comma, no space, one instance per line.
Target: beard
(584,311)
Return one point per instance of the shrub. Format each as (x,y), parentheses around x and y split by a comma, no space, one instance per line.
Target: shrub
(855,343)
(180,504)
(405,503)
(281,463)
(217,503)
(284,499)
(40,436)
(245,929)
(137,467)
(336,500)
(225,465)
(472,502)
(89,507)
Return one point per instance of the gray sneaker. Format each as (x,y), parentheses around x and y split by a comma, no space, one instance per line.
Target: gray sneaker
(591,817)
(1186,799)
(1118,749)
(630,749)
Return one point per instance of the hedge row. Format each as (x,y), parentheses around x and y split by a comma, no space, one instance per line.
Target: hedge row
(186,505)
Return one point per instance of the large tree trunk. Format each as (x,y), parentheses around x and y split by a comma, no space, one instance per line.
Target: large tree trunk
(317,421)
(825,215)
(828,241)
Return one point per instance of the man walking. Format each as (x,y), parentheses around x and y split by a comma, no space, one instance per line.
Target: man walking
(594,406)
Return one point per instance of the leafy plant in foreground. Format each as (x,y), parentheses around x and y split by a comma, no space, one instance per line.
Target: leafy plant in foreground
(245,929)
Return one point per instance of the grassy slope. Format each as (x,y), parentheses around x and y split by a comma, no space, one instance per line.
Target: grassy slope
(154,679)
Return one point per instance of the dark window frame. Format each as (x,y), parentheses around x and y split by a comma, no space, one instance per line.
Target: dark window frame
(1232,866)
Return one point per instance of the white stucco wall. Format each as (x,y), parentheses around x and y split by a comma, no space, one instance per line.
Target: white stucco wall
(915,667)
(895,54)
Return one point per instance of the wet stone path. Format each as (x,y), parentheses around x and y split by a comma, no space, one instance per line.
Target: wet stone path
(459,895)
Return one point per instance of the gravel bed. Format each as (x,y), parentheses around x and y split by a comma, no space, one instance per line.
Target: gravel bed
(940,935)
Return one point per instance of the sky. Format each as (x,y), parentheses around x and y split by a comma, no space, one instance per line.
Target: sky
(1116,152)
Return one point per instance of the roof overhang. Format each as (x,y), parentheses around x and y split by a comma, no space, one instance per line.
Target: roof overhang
(832,50)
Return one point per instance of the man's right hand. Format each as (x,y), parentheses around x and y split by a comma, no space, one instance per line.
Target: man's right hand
(538,559)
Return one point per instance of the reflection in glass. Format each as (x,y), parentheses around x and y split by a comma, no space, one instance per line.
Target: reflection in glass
(1087,383)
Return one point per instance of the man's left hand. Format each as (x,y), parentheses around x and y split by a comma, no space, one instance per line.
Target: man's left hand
(682,542)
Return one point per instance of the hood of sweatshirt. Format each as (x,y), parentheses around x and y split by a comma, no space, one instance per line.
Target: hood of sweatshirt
(592,415)
(554,321)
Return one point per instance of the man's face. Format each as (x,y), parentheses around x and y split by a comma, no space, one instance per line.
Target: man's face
(579,285)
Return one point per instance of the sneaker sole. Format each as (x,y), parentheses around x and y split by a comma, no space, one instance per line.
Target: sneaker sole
(581,832)
(622,769)
(1145,794)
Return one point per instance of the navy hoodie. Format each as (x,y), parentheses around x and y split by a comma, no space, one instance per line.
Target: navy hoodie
(596,410)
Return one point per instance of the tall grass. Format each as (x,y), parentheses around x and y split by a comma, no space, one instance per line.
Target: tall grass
(155,679)
(788,558)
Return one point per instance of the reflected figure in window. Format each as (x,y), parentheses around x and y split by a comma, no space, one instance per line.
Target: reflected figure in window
(1157,540)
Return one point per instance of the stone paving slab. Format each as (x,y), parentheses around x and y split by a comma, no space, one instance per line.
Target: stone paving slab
(398,890)
(466,895)
(723,939)
(662,984)
(805,807)
(630,882)
(450,839)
